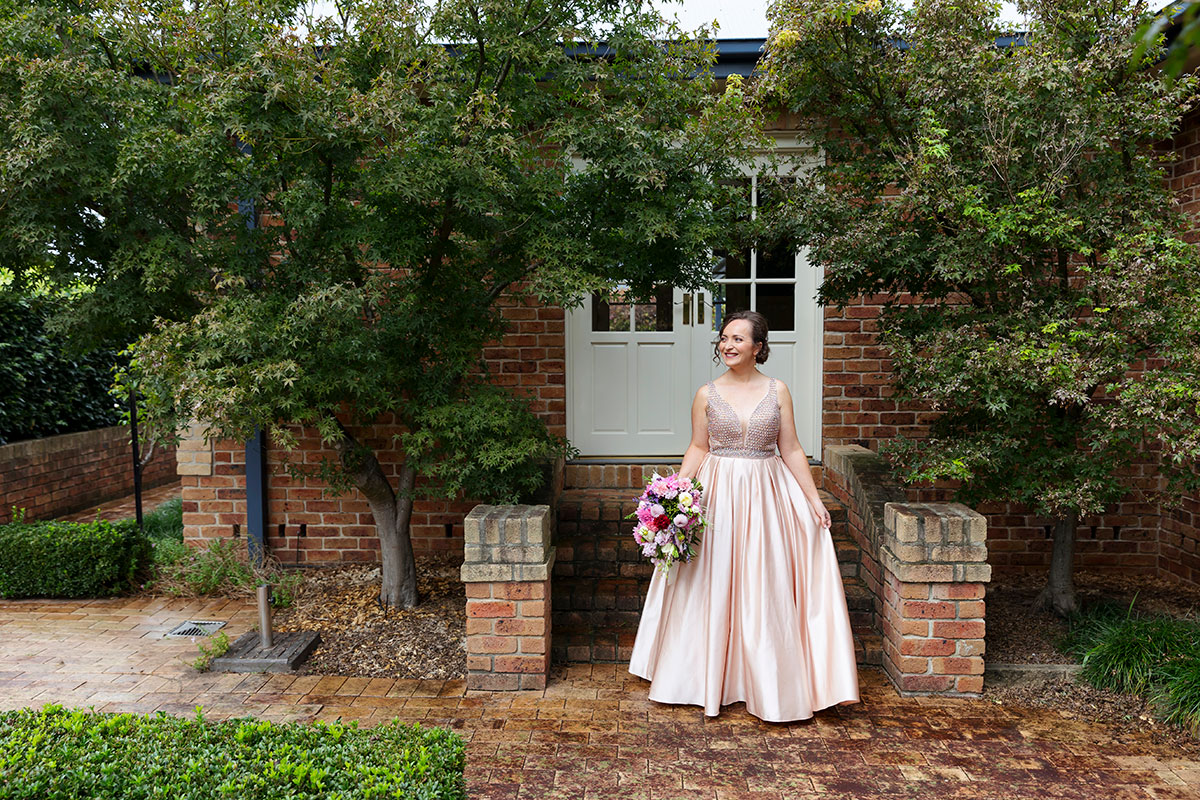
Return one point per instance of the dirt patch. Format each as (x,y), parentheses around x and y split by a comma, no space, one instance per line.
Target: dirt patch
(360,639)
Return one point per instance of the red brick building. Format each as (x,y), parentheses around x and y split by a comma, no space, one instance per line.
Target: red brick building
(616,379)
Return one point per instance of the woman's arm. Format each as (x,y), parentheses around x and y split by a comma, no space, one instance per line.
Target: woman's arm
(698,448)
(797,462)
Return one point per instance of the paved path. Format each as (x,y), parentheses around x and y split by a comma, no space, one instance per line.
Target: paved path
(593,734)
(126,507)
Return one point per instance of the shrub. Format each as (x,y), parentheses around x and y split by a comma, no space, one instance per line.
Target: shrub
(56,753)
(69,559)
(223,567)
(50,391)
(1157,656)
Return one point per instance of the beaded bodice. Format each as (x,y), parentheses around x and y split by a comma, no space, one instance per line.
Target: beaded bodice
(731,436)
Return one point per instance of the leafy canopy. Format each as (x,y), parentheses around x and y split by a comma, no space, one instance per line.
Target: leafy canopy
(1009,199)
(320,214)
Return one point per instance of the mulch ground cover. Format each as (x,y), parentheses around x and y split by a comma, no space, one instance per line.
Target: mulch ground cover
(359,638)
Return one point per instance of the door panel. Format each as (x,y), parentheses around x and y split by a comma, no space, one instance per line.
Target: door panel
(632,368)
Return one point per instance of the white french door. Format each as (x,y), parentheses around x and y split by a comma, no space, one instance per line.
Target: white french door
(633,367)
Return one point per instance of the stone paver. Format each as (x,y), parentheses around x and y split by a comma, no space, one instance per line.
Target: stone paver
(592,733)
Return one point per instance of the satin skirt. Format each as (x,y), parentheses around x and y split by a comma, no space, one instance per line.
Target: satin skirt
(759,616)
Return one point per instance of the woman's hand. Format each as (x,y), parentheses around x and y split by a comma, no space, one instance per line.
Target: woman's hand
(820,514)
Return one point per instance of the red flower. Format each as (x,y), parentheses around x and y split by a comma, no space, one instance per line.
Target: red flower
(662,522)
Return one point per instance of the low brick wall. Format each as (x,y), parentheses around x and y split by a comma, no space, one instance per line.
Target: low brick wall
(60,475)
(507,563)
(926,564)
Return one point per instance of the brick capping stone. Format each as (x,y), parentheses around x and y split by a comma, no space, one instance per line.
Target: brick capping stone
(926,564)
(508,559)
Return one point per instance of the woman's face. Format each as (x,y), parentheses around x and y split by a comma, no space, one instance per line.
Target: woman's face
(737,343)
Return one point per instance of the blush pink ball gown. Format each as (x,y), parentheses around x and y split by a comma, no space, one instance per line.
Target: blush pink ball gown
(759,616)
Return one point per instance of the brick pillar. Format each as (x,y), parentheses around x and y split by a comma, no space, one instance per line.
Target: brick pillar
(507,560)
(933,559)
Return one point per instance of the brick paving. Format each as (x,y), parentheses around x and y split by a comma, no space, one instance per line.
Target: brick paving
(126,507)
(592,733)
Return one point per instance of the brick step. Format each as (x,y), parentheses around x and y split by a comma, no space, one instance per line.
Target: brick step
(593,537)
(595,620)
(594,474)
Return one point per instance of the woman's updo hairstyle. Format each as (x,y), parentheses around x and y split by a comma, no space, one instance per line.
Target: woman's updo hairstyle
(758,331)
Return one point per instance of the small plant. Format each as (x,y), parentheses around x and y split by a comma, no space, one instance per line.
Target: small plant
(165,522)
(1134,654)
(1179,696)
(217,647)
(223,567)
(1155,656)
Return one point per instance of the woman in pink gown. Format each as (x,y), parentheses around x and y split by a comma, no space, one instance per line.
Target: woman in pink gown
(759,616)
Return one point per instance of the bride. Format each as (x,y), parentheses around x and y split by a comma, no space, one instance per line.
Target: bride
(759,616)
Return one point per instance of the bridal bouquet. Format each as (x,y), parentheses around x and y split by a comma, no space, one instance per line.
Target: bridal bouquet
(669,520)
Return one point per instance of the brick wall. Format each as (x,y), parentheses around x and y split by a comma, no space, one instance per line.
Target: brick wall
(1179,537)
(63,474)
(530,359)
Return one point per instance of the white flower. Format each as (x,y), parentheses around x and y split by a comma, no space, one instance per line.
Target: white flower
(685,499)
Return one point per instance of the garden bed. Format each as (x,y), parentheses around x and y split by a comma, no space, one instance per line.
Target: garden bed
(361,639)
(1018,635)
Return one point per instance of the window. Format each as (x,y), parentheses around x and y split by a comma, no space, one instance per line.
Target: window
(762,275)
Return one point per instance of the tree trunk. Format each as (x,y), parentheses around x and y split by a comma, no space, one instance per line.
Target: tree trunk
(399,569)
(1059,594)
(392,512)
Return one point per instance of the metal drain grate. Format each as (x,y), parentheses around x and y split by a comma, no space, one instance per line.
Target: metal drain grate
(196,627)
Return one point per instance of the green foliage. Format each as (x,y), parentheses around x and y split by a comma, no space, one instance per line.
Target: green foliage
(1133,654)
(214,648)
(45,389)
(1179,25)
(70,559)
(490,447)
(221,568)
(1156,656)
(1179,696)
(164,522)
(1011,206)
(56,753)
(391,190)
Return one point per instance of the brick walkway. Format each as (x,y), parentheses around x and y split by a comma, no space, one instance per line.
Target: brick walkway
(593,733)
(126,507)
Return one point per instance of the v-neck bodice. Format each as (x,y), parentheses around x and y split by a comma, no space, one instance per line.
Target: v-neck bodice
(731,435)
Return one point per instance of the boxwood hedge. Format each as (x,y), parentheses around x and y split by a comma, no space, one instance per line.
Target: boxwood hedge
(70,559)
(55,754)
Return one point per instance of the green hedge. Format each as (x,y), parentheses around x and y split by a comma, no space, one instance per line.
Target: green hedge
(56,754)
(45,390)
(70,559)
